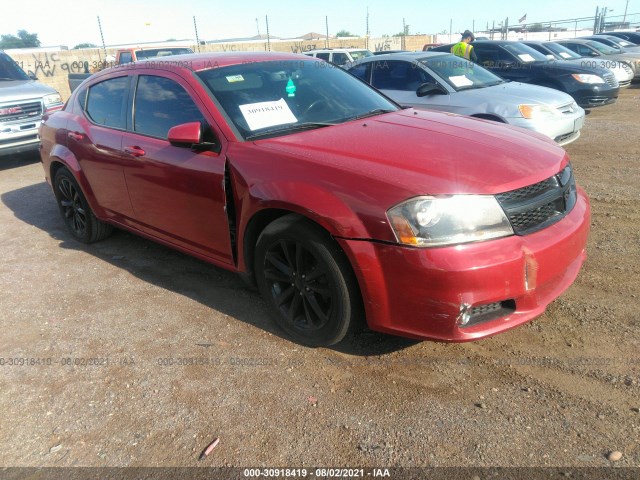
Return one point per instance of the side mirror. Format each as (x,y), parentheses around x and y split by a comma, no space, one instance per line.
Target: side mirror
(32,76)
(185,134)
(594,54)
(429,89)
(507,64)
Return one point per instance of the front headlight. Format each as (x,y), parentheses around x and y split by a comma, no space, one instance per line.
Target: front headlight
(52,99)
(438,221)
(587,78)
(537,111)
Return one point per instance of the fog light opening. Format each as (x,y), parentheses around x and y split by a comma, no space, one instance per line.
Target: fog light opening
(465,314)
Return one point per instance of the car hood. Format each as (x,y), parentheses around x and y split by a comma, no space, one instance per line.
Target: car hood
(563,67)
(17,90)
(420,152)
(515,93)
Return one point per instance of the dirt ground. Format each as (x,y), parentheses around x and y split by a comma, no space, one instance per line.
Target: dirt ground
(126,353)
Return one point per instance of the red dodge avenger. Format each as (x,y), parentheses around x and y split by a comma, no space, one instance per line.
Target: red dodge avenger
(337,203)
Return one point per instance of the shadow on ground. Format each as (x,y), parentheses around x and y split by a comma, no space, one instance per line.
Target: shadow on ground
(18,160)
(214,287)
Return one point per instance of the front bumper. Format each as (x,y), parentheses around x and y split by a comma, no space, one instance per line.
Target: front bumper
(594,95)
(562,129)
(422,293)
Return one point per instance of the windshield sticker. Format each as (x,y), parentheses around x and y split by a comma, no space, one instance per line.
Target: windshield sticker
(267,114)
(291,88)
(235,78)
(460,81)
(565,55)
(525,57)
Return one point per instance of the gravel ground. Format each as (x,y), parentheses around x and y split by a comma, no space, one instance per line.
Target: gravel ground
(137,355)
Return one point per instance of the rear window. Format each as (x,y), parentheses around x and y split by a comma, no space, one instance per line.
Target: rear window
(161,52)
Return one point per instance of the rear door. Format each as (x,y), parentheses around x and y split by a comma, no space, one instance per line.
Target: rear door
(95,139)
(177,192)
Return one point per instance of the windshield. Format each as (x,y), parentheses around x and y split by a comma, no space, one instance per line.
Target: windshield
(280,97)
(358,54)
(602,48)
(10,70)
(161,52)
(562,51)
(620,42)
(525,53)
(461,74)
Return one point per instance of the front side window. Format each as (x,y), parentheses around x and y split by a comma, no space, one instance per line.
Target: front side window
(324,56)
(362,71)
(106,102)
(125,57)
(160,103)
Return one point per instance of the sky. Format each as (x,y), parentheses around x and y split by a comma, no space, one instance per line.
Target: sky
(69,22)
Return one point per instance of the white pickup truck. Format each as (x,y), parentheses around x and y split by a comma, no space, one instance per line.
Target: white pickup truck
(23,101)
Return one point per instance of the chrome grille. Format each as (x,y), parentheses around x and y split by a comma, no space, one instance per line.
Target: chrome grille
(537,206)
(611,80)
(20,111)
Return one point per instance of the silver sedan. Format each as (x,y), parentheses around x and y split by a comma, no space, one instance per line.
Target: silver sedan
(441,81)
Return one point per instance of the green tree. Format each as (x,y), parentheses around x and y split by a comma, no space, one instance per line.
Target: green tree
(345,33)
(85,45)
(23,40)
(535,27)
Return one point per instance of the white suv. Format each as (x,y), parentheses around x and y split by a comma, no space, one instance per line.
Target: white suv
(342,57)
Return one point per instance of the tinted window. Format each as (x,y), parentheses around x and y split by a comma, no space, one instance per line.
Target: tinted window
(10,69)
(362,71)
(107,102)
(323,56)
(398,75)
(461,74)
(161,104)
(340,58)
(492,55)
(125,57)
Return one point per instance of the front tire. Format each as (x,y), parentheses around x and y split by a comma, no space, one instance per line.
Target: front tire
(76,213)
(307,281)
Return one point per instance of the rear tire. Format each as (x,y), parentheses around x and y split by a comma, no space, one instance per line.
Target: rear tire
(307,281)
(76,213)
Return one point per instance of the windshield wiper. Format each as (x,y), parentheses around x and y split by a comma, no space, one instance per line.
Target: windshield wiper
(291,128)
(370,113)
(7,78)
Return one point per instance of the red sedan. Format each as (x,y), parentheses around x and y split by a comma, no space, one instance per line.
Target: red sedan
(337,203)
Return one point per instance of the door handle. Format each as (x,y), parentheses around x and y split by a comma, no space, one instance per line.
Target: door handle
(135,151)
(76,136)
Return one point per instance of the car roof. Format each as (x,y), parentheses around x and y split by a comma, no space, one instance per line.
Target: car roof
(576,40)
(322,50)
(405,56)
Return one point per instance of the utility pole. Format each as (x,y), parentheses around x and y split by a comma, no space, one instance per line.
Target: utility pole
(367,30)
(326,24)
(450,29)
(266,19)
(404,32)
(104,47)
(195,26)
(624,19)
(595,21)
(258,27)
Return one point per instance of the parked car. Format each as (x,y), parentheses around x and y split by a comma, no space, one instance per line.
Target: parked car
(128,55)
(633,37)
(555,51)
(520,63)
(340,57)
(444,82)
(330,196)
(601,54)
(619,44)
(430,46)
(23,100)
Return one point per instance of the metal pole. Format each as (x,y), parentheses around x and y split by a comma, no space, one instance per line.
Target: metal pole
(595,21)
(367,36)
(258,27)
(404,32)
(450,29)
(195,26)
(104,47)
(624,19)
(326,24)
(266,19)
